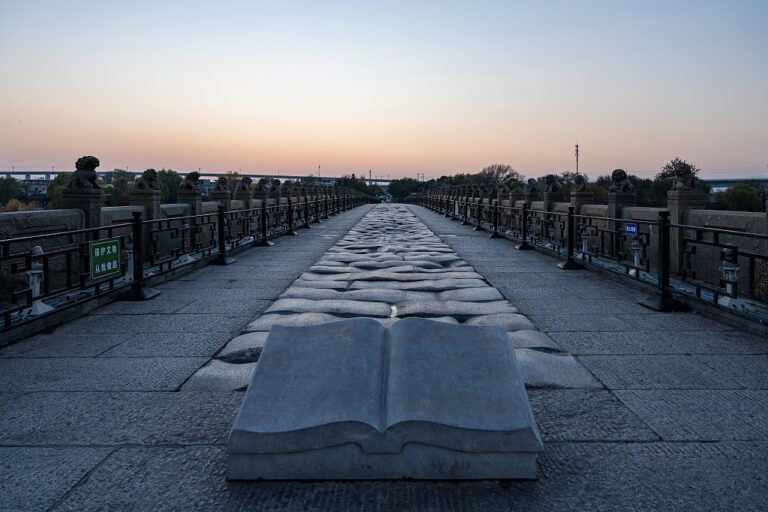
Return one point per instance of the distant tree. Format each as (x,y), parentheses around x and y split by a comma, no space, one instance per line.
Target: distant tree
(665,179)
(744,196)
(53,191)
(496,174)
(567,179)
(119,183)
(462,178)
(402,188)
(269,181)
(169,185)
(308,180)
(10,189)
(16,205)
(356,183)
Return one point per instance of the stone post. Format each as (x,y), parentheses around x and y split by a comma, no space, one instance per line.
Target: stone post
(516,193)
(83,193)
(621,194)
(146,193)
(581,194)
(244,193)
(678,201)
(190,193)
(221,193)
(531,192)
(553,193)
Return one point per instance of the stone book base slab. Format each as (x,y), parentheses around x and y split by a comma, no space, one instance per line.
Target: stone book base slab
(356,400)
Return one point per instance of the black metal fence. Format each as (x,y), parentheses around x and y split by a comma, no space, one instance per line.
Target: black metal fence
(638,249)
(37,282)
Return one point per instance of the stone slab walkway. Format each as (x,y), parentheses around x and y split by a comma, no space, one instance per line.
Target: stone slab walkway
(129,408)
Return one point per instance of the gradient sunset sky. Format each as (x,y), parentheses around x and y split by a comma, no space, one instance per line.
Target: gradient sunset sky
(397,87)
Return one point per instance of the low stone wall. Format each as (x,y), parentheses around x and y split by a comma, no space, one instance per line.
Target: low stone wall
(697,260)
(39,222)
(707,260)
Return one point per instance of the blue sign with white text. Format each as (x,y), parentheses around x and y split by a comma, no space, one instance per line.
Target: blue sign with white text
(630,228)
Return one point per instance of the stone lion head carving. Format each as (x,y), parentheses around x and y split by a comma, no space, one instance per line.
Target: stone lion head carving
(148,180)
(620,182)
(85,173)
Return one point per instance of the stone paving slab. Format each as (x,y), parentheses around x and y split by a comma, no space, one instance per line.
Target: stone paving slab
(508,321)
(656,372)
(646,477)
(751,371)
(114,418)
(453,308)
(64,345)
(586,415)
(533,339)
(221,376)
(438,284)
(660,342)
(335,307)
(546,370)
(250,340)
(169,344)
(702,415)
(588,322)
(154,323)
(103,374)
(36,478)
(194,479)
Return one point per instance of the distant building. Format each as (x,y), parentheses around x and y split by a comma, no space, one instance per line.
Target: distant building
(205,186)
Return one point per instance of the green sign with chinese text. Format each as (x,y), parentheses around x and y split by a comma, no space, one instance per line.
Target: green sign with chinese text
(105,258)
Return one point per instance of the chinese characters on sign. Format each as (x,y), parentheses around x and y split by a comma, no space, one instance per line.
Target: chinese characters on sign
(105,258)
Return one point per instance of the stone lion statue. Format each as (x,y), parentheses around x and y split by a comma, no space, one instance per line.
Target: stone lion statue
(552,184)
(221,185)
(148,180)
(85,173)
(620,182)
(580,184)
(190,182)
(685,179)
(532,189)
(243,186)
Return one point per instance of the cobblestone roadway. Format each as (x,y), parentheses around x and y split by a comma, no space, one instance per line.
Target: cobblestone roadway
(391,266)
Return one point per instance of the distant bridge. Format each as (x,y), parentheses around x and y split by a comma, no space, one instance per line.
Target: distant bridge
(48,175)
(729,182)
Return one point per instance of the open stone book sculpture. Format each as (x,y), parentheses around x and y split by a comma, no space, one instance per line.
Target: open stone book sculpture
(355,400)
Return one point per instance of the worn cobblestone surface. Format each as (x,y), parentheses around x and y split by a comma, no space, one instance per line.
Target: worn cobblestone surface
(670,416)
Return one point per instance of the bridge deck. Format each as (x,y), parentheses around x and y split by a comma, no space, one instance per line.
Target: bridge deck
(130,407)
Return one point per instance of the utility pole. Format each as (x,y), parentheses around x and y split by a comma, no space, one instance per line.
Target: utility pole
(318,171)
(370,180)
(577,157)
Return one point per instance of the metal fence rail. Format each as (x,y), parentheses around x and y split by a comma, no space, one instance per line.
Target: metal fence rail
(637,249)
(61,275)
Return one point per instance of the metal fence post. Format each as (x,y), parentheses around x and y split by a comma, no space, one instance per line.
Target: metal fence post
(570,263)
(524,245)
(263,242)
(290,219)
(495,233)
(221,258)
(138,290)
(479,225)
(307,216)
(663,301)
